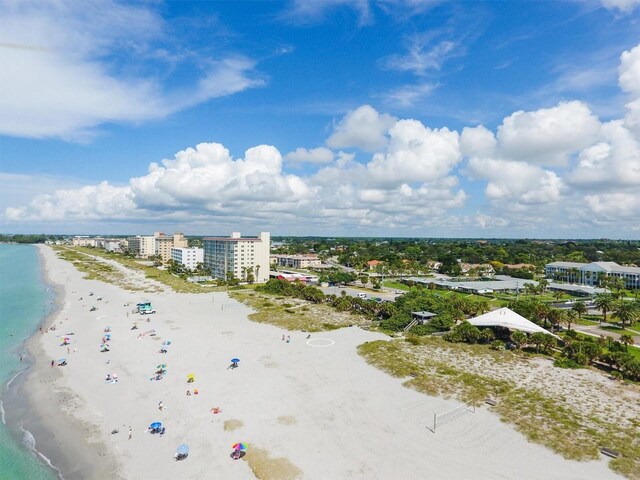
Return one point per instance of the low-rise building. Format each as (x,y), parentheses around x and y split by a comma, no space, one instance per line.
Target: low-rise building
(188,257)
(592,273)
(83,241)
(295,261)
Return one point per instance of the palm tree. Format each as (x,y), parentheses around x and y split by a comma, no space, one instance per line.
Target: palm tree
(625,312)
(569,317)
(555,316)
(580,308)
(537,339)
(604,302)
(548,342)
(627,340)
(519,338)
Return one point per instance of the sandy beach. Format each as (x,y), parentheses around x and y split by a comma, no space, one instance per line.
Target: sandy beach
(311,408)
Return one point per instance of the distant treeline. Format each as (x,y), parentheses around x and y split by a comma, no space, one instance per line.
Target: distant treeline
(35,238)
(396,251)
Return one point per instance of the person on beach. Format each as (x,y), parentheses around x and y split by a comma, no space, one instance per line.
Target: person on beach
(130,431)
(160,406)
(288,338)
(283,337)
(52,363)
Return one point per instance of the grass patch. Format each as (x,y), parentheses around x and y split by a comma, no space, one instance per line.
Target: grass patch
(85,255)
(548,421)
(231,425)
(265,467)
(287,420)
(310,317)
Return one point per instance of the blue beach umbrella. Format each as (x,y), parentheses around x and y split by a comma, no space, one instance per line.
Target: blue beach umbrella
(235,360)
(183,449)
(155,425)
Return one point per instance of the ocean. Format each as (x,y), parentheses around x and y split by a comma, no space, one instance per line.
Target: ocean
(25,300)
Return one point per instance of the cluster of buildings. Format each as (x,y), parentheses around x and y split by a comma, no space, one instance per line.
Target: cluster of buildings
(593,273)
(244,258)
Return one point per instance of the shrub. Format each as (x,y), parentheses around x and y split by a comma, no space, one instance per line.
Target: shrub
(564,362)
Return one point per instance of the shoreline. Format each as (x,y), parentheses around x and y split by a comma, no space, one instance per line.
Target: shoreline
(48,426)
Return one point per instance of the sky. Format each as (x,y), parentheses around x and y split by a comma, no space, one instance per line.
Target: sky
(401,118)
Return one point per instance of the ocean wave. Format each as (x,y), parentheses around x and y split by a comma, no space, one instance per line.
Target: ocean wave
(29,442)
(13,378)
(2,412)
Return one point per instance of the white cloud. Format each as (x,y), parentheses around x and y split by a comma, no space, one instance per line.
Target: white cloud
(424,54)
(103,201)
(626,6)
(517,182)
(415,154)
(314,155)
(613,163)
(408,95)
(59,77)
(616,208)
(305,11)
(477,142)
(549,135)
(629,80)
(362,128)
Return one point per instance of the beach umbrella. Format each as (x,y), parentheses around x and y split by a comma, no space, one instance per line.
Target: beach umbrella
(239,446)
(155,425)
(182,449)
(191,376)
(235,360)
(62,360)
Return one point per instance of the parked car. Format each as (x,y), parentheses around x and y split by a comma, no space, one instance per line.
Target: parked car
(399,292)
(147,312)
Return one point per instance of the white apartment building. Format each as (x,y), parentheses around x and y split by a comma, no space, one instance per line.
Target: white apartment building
(592,273)
(189,258)
(233,255)
(295,261)
(83,241)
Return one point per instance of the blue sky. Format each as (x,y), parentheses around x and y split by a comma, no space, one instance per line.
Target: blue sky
(334,117)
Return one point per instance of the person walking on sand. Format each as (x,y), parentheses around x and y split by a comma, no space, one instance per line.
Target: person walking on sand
(52,363)
(283,337)
(288,338)
(130,431)
(160,406)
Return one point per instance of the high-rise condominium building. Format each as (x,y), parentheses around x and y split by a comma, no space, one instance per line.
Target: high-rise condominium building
(238,256)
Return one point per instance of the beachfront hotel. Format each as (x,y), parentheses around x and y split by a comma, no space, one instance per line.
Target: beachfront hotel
(189,257)
(592,273)
(226,256)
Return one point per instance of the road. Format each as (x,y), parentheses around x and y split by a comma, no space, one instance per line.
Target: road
(385,294)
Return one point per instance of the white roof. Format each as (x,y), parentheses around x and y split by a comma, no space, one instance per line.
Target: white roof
(503,317)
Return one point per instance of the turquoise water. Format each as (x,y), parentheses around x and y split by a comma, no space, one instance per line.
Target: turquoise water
(24,301)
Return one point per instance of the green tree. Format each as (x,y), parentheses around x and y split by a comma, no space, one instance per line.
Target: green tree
(625,312)
(519,338)
(537,339)
(626,340)
(580,308)
(604,302)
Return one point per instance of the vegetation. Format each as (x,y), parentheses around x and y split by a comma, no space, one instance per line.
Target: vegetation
(543,419)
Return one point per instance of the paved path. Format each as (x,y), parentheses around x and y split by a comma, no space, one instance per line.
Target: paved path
(596,331)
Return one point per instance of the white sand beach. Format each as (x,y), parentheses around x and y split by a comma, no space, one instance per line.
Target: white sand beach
(317,404)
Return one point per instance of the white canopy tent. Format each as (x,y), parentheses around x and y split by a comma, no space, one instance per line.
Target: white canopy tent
(503,317)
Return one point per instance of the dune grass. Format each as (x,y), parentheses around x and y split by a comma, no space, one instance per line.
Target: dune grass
(294,314)
(540,418)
